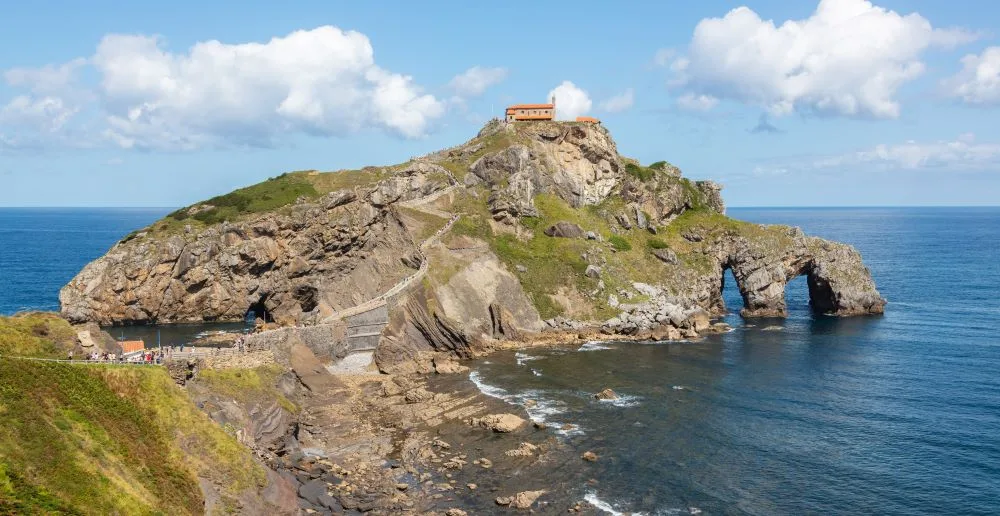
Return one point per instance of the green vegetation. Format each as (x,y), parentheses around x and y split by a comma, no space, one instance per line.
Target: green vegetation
(84,439)
(36,334)
(619,243)
(656,243)
(261,197)
(640,172)
(246,385)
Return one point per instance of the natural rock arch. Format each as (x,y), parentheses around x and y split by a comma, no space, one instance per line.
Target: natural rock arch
(838,282)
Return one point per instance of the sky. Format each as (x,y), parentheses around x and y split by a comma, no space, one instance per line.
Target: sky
(806,103)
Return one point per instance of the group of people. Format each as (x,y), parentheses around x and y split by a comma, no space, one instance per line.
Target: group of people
(150,356)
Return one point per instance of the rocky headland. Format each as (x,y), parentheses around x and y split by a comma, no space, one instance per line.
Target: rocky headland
(527,228)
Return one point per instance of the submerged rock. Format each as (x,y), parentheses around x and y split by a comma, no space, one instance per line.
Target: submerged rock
(606,394)
(522,500)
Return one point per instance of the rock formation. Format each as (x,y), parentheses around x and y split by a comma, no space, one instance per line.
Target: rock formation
(466,247)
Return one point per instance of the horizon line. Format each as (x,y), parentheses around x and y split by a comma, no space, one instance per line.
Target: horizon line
(772,206)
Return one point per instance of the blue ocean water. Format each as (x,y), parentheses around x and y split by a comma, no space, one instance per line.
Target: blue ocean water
(41,249)
(898,414)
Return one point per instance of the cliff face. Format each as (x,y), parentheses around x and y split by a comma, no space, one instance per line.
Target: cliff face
(524,223)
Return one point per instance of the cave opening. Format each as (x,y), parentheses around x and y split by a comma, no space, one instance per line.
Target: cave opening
(258,310)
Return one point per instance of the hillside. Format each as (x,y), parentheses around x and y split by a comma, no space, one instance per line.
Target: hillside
(539,225)
(82,439)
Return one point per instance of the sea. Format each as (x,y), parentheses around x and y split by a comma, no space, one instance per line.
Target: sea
(893,414)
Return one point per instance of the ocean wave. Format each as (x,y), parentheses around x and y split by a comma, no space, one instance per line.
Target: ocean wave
(594,345)
(623,401)
(601,505)
(522,358)
(538,407)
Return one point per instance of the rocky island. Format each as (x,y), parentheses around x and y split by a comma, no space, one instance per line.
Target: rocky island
(528,227)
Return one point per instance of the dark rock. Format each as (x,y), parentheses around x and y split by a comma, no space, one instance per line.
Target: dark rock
(312,490)
(564,230)
(666,256)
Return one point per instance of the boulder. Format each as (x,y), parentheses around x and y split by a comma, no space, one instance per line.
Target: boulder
(606,394)
(522,500)
(592,271)
(564,230)
(501,423)
(589,456)
(666,256)
(523,450)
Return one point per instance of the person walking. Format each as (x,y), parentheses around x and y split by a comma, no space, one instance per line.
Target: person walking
(70,357)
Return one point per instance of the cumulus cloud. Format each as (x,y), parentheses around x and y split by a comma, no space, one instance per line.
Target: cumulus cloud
(571,101)
(692,102)
(322,82)
(979,81)
(474,81)
(664,56)
(849,58)
(961,154)
(619,103)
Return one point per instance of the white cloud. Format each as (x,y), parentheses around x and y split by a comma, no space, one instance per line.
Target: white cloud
(474,81)
(692,102)
(571,101)
(961,154)
(322,82)
(979,81)
(45,114)
(848,58)
(619,102)
(46,79)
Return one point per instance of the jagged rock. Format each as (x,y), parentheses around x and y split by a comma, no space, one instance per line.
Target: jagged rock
(523,450)
(501,423)
(606,394)
(640,217)
(623,220)
(564,230)
(666,256)
(418,395)
(522,500)
(592,271)
(448,365)
(502,323)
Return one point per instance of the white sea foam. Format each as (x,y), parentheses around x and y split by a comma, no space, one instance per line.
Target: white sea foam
(536,372)
(487,389)
(680,388)
(539,411)
(593,345)
(522,358)
(601,505)
(624,400)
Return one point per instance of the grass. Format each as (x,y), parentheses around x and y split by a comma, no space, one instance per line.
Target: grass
(422,224)
(36,334)
(657,243)
(81,439)
(246,385)
(619,243)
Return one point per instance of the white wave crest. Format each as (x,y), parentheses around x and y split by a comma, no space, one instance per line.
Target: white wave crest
(624,400)
(594,345)
(522,358)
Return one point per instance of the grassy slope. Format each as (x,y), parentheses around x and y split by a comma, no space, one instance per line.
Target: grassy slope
(36,334)
(105,439)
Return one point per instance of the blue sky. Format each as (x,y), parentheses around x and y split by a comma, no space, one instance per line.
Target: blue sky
(839,102)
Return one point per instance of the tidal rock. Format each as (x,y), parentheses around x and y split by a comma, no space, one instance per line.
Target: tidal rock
(589,456)
(606,394)
(522,500)
(502,423)
(523,450)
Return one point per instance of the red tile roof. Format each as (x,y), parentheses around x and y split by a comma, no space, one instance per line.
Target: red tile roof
(531,106)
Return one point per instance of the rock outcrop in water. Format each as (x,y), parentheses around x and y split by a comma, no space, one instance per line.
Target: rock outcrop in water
(468,246)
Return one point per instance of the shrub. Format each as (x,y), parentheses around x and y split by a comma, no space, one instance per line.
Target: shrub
(656,243)
(619,243)
(640,172)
